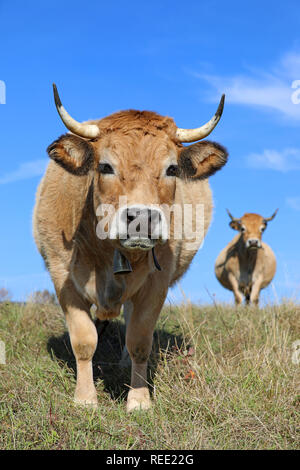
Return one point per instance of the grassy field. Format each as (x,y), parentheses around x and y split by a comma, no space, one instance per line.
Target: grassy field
(221,379)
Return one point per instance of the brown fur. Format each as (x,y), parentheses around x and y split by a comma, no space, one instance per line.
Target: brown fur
(138,145)
(244,271)
(136,123)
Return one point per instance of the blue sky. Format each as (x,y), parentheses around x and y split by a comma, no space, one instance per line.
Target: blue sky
(173,58)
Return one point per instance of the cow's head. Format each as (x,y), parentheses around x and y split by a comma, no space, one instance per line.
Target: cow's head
(251,227)
(139,156)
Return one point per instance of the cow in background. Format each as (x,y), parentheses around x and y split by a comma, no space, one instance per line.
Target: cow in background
(247,264)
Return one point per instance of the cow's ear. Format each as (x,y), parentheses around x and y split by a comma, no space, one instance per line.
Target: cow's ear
(201,160)
(235,224)
(72,153)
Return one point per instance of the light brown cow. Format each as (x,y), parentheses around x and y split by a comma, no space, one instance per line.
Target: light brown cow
(138,155)
(246,265)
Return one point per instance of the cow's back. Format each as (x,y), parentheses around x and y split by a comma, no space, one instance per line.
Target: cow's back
(268,264)
(192,193)
(227,261)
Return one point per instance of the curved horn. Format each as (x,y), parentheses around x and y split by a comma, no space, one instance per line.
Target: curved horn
(191,135)
(267,219)
(89,131)
(230,215)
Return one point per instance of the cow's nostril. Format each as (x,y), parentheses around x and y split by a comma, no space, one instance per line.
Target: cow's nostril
(132,214)
(142,222)
(154,216)
(130,218)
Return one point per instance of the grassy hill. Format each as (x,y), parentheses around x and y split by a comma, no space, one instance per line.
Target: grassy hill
(221,378)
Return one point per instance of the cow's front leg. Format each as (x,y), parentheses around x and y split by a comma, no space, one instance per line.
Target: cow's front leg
(255,291)
(235,289)
(83,336)
(139,337)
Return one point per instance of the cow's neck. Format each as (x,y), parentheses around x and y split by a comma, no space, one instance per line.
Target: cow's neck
(248,256)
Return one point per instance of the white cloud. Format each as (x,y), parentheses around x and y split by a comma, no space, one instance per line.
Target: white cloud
(293,203)
(25,171)
(271,89)
(285,160)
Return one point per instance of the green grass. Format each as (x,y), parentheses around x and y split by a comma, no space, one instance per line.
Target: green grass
(221,378)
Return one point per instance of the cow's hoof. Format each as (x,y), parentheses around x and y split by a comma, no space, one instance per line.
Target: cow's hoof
(87,403)
(138,399)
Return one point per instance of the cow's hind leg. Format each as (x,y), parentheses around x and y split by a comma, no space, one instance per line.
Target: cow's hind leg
(83,336)
(125,358)
(247,296)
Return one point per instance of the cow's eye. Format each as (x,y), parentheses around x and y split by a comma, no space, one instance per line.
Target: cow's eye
(172,170)
(106,169)
(243,229)
(262,228)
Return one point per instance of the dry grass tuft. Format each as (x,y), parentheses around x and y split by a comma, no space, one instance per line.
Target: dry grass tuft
(221,379)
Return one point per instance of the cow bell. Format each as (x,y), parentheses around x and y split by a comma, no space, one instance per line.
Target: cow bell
(121,264)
